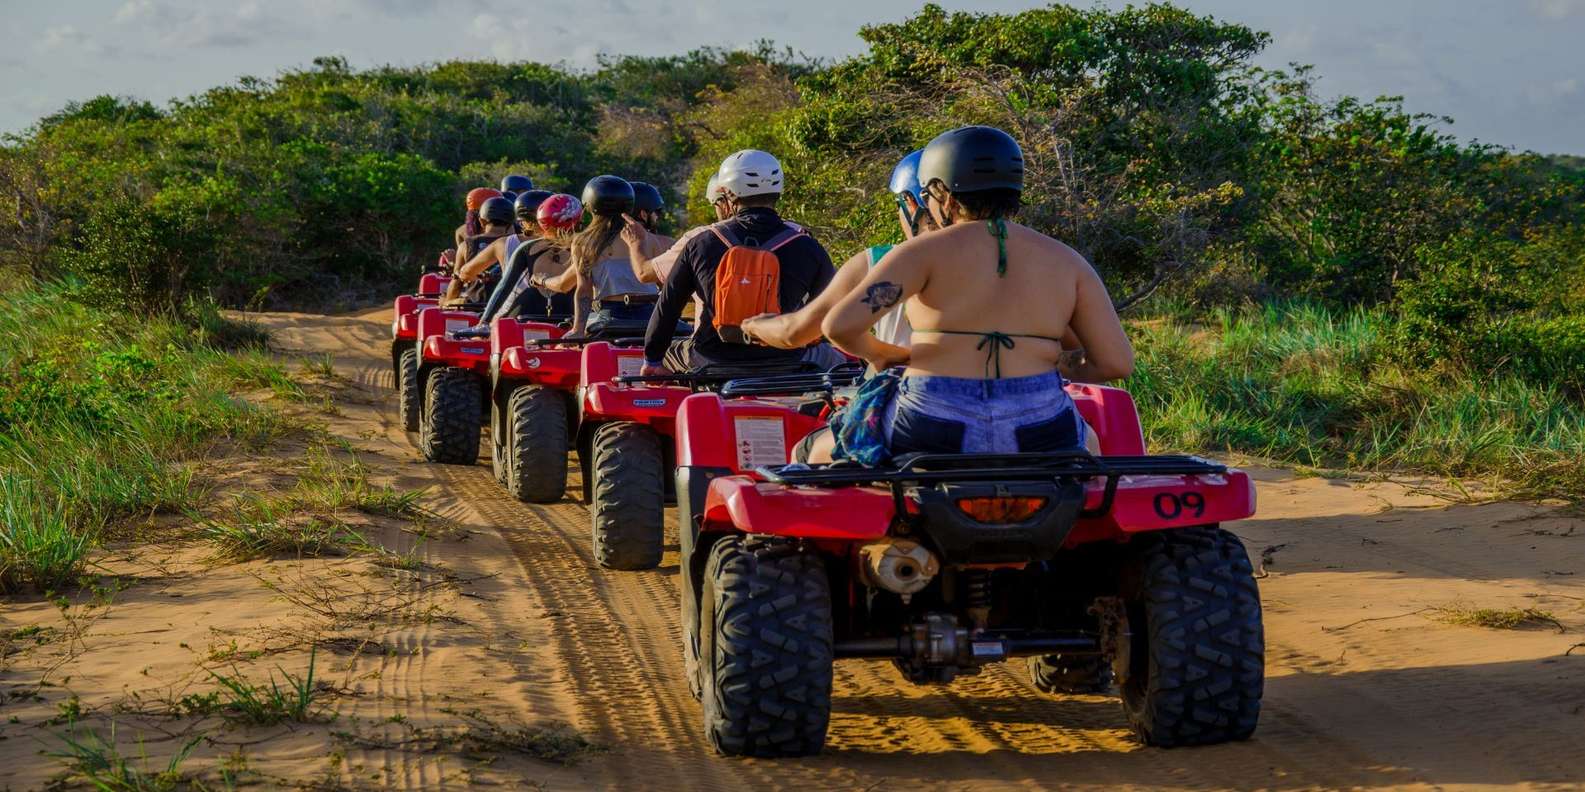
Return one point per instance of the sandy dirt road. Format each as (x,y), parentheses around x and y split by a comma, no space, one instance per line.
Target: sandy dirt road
(1365,687)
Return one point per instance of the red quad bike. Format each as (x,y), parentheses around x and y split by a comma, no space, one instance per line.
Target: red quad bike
(625,444)
(535,370)
(453,375)
(1095,568)
(404,343)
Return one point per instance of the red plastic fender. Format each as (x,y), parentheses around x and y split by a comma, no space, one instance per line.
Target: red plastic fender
(404,316)
(433,284)
(1111,413)
(605,400)
(507,333)
(849,513)
(548,366)
(738,434)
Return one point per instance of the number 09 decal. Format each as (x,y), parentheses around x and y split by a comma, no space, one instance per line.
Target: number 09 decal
(1171,505)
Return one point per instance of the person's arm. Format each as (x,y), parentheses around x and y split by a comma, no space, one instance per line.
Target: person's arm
(1105,354)
(565,282)
(636,235)
(583,302)
(453,293)
(899,276)
(674,296)
(802,327)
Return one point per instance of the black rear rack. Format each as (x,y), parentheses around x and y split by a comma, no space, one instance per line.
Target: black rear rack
(578,341)
(932,468)
(756,379)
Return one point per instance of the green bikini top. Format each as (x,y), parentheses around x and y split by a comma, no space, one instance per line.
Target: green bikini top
(994,341)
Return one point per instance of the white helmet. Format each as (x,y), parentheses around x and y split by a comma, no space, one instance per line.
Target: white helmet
(712,190)
(750,172)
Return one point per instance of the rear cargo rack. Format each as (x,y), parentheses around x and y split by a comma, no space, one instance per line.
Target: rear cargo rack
(755,379)
(932,468)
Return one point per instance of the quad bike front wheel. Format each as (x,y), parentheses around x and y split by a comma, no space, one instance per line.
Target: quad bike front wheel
(537,444)
(410,396)
(629,497)
(1191,661)
(765,648)
(450,429)
(500,454)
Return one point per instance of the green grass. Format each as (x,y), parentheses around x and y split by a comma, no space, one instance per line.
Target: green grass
(102,417)
(1497,618)
(266,704)
(100,762)
(1306,386)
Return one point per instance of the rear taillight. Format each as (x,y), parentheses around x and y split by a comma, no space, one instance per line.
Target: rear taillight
(1001,510)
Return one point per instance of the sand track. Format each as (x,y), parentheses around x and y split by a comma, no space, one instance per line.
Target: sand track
(1394,702)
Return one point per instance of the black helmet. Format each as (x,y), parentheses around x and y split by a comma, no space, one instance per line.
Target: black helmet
(517,184)
(509,195)
(973,158)
(496,210)
(527,205)
(646,198)
(608,196)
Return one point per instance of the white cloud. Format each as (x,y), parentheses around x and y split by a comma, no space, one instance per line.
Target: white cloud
(1557,9)
(1555,91)
(67,38)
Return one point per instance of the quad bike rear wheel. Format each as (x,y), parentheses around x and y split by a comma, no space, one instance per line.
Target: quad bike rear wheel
(629,496)
(1192,667)
(450,429)
(765,648)
(410,396)
(500,453)
(1057,673)
(537,444)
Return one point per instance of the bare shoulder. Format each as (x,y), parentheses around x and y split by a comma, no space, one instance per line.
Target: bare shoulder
(1053,250)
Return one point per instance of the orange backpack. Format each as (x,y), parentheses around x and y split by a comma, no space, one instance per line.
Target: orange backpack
(748,280)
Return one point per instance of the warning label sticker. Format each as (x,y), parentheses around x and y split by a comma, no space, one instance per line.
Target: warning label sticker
(629,365)
(453,325)
(531,334)
(760,441)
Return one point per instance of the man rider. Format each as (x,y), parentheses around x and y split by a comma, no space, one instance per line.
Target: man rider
(497,215)
(655,269)
(752,182)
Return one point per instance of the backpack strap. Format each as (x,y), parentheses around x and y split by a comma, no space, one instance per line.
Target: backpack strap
(787,235)
(724,234)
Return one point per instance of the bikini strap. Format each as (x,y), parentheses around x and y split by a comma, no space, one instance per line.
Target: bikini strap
(994,342)
(998,229)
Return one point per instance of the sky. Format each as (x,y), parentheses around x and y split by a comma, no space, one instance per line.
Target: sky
(1511,72)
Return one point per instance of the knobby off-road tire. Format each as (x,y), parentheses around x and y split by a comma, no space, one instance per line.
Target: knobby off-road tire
(1056,673)
(1197,664)
(765,625)
(450,431)
(410,396)
(629,497)
(500,453)
(537,444)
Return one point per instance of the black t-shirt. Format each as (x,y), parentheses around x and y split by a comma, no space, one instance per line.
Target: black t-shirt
(806,270)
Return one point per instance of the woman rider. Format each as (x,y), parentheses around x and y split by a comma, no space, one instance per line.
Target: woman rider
(470,222)
(556,220)
(510,250)
(607,289)
(990,302)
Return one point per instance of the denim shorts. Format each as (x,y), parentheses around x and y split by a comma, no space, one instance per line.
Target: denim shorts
(951,415)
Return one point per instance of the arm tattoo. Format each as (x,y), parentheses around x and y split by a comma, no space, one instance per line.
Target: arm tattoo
(882,295)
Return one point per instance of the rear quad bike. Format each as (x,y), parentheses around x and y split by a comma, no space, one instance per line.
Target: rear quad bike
(453,376)
(1090,566)
(404,345)
(626,447)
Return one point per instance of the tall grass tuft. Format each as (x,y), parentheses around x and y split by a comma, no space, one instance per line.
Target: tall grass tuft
(1301,384)
(101,416)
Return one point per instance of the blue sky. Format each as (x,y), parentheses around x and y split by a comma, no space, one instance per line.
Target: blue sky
(1509,71)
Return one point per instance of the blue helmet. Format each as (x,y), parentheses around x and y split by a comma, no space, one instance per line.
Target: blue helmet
(905,177)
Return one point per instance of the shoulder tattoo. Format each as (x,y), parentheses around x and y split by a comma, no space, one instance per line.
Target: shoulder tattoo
(882,295)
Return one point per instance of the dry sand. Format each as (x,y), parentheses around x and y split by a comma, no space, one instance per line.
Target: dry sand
(508,625)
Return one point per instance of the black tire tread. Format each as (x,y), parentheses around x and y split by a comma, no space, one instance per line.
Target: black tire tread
(450,429)
(628,497)
(538,444)
(410,398)
(768,687)
(1057,673)
(1206,644)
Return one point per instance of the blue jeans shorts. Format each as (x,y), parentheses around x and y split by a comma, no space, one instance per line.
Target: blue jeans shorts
(954,415)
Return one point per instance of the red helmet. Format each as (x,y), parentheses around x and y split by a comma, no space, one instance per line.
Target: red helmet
(560,212)
(478,195)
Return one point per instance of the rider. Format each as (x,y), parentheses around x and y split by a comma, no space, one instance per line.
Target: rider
(607,289)
(498,216)
(990,302)
(640,233)
(802,327)
(752,182)
(655,269)
(516,184)
(470,224)
(515,268)
(548,256)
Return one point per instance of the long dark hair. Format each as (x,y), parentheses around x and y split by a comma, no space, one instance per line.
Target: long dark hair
(592,241)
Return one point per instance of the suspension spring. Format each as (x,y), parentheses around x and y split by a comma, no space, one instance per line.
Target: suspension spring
(977,587)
